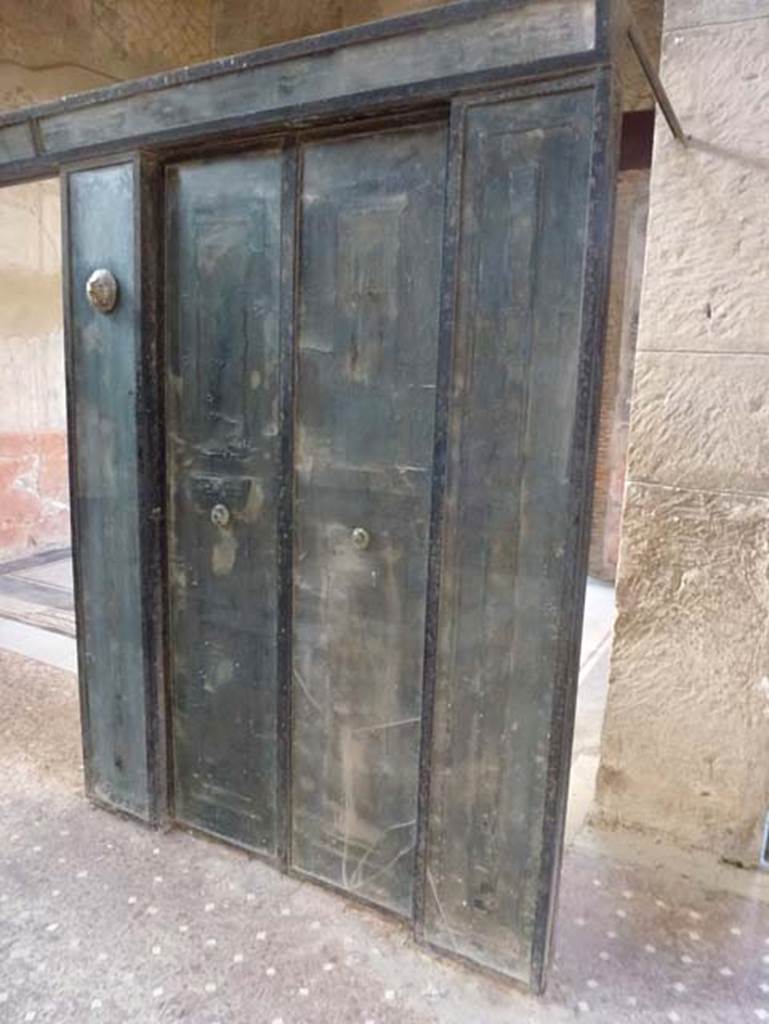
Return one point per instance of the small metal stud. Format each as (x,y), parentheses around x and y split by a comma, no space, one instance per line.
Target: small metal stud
(361,538)
(101,290)
(220,515)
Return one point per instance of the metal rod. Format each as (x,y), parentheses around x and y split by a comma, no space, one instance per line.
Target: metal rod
(638,43)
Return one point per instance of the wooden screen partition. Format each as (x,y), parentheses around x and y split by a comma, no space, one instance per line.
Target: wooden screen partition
(334,314)
(114,414)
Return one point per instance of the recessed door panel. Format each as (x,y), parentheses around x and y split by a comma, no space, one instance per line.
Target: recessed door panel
(223,287)
(369,278)
(508,545)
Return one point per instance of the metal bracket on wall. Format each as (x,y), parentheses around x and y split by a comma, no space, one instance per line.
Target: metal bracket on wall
(641,50)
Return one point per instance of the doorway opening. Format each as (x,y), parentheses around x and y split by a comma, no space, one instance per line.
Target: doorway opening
(38,662)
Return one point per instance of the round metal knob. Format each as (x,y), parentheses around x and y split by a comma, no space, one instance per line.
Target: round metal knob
(361,538)
(220,515)
(101,290)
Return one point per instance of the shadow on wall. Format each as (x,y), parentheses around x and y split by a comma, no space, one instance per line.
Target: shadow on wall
(34,494)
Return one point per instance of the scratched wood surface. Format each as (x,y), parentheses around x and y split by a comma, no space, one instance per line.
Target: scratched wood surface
(378,436)
(102,360)
(372,214)
(523,219)
(223,295)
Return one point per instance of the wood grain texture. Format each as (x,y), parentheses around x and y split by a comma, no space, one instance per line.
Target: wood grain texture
(508,519)
(103,355)
(487,36)
(372,214)
(382,351)
(223,317)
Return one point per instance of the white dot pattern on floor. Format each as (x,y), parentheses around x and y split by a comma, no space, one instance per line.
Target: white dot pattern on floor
(660,967)
(199,953)
(104,920)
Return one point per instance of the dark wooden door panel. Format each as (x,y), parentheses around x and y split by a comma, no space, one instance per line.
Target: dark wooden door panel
(103,363)
(335,619)
(371,233)
(223,311)
(509,519)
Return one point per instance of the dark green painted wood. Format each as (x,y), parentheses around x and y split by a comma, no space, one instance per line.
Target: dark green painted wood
(104,355)
(223,319)
(507,563)
(372,214)
(16,143)
(518,268)
(482,37)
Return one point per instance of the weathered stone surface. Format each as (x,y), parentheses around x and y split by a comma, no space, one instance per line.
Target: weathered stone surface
(238,25)
(20,87)
(705,283)
(107,39)
(356,11)
(701,421)
(33,451)
(687,727)
(691,13)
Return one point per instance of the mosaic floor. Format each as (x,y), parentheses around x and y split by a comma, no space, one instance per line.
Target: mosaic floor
(104,921)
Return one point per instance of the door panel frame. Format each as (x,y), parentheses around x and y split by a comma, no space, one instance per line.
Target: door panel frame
(600,222)
(148,409)
(289,316)
(24,156)
(306,142)
(176,344)
(39,140)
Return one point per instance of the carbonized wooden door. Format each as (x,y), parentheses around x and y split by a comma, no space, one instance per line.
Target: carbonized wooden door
(369,234)
(381,355)
(369,283)
(505,618)
(377,447)
(223,323)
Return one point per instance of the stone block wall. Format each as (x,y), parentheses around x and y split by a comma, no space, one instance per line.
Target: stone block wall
(685,749)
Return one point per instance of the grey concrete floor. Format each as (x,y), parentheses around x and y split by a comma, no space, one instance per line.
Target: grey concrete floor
(103,920)
(37,620)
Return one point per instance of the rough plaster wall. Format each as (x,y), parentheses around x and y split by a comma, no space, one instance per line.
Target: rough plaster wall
(248,24)
(33,463)
(619,356)
(686,738)
(111,40)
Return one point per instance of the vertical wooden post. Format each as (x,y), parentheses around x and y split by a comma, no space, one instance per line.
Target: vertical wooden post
(116,480)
